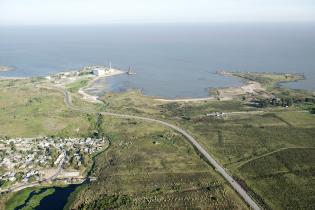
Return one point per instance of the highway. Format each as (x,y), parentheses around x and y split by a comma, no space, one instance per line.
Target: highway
(237,187)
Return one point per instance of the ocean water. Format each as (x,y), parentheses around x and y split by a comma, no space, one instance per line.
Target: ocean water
(171,60)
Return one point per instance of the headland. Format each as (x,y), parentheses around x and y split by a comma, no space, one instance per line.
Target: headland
(6,68)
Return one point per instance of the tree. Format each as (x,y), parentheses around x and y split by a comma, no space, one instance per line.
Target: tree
(12,146)
(263,103)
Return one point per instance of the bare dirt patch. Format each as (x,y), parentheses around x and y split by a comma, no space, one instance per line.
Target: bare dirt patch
(250,88)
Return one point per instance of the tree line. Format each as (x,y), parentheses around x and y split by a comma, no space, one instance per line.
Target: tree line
(283,101)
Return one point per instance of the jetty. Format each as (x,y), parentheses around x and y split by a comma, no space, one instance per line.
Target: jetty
(130,72)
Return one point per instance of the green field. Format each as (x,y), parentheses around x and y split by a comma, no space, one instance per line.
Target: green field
(266,78)
(238,142)
(285,179)
(238,138)
(149,166)
(28,110)
(75,86)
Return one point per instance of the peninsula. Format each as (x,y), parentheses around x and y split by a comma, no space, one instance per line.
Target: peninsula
(5,68)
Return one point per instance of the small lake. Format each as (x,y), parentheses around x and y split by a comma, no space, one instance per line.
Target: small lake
(55,201)
(58,199)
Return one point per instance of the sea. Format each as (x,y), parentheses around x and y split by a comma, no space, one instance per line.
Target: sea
(170,60)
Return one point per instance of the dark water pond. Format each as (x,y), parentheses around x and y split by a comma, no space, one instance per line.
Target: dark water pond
(58,199)
(55,201)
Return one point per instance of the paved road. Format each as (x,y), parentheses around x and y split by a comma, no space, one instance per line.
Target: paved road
(238,188)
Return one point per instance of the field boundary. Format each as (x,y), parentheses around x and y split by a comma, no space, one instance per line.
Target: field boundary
(271,153)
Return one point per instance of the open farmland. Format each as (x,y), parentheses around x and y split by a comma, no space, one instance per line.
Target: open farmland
(243,134)
(28,110)
(285,179)
(149,166)
(272,155)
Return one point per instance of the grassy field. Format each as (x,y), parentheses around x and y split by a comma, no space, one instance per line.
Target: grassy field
(267,79)
(284,180)
(133,102)
(75,86)
(298,119)
(152,167)
(236,139)
(27,110)
(238,142)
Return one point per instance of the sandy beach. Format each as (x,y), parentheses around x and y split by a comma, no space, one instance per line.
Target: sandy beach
(230,93)
(185,99)
(92,98)
(13,78)
(223,94)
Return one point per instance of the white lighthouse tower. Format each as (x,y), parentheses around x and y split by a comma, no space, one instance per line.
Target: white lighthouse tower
(110,65)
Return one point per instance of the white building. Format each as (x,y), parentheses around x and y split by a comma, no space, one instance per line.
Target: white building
(99,72)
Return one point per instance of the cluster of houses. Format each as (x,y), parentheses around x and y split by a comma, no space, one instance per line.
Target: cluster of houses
(12,176)
(23,159)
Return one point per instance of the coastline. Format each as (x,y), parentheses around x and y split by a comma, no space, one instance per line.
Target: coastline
(12,78)
(224,93)
(249,87)
(92,98)
(185,99)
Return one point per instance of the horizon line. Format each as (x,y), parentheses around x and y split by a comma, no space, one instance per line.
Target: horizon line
(162,23)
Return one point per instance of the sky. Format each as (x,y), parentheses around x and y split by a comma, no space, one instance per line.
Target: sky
(46,12)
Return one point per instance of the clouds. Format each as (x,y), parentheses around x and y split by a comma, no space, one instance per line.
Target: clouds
(142,11)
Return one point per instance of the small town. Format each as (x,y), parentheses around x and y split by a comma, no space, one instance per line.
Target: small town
(25,160)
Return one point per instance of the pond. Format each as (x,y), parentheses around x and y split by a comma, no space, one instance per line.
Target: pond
(58,199)
(54,201)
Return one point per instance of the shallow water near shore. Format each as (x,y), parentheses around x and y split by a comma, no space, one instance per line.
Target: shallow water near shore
(174,60)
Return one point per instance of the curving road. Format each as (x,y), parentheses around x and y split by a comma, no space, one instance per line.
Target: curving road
(238,188)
